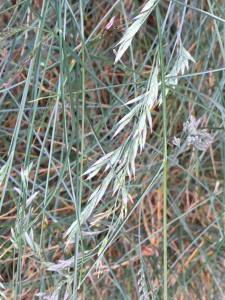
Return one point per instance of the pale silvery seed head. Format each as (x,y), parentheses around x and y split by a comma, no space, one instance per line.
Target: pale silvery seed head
(200,139)
(110,24)
(176,141)
(191,127)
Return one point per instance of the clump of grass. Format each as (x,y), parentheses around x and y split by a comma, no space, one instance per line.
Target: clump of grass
(105,157)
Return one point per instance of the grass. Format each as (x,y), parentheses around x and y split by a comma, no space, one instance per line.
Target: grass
(112,150)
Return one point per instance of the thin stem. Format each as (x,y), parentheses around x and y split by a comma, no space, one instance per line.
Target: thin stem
(82,118)
(164,153)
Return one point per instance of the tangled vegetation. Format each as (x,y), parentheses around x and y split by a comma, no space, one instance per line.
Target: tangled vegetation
(112,149)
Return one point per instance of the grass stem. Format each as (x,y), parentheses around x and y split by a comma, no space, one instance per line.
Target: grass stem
(164,112)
